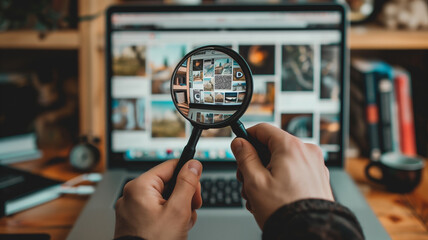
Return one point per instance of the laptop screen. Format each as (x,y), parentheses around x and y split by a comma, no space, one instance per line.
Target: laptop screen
(296,58)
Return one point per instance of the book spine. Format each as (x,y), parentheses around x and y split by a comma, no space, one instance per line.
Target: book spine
(405,114)
(359,130)
(372,116)
(2,207)
(385,88)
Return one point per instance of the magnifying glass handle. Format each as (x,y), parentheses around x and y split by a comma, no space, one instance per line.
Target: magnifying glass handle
(262,150)
(187,154)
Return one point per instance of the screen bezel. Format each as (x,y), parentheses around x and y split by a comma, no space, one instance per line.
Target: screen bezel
(117,160)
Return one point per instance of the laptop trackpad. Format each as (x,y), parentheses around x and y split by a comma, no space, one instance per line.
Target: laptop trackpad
(225,224)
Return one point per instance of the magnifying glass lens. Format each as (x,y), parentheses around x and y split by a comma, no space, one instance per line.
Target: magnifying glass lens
(209,87)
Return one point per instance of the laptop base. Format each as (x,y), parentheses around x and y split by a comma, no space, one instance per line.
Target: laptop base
(97,218)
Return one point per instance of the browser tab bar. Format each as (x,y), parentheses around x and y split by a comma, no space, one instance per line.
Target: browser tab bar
(264,20)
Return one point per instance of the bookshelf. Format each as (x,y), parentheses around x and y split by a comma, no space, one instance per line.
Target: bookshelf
(375,37)
(361,37)
(29,39)
(403,48)
(86,42)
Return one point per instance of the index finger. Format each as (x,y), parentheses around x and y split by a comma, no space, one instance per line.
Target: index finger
(270,135)
(163,172)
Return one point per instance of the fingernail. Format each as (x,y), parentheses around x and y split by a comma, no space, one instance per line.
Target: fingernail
(195,167)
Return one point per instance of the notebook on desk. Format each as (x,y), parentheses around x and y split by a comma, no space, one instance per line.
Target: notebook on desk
(20,190)
(299,60)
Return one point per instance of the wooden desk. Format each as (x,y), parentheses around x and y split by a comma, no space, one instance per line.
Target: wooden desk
(55,217)
(403,215)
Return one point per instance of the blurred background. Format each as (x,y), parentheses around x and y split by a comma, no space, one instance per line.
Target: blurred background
(52,83)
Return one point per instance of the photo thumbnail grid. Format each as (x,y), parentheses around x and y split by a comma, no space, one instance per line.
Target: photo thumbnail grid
(212,78)
(219,81)
(157,62)
(207,81)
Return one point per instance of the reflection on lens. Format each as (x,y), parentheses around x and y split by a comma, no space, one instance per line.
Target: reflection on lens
(209,87)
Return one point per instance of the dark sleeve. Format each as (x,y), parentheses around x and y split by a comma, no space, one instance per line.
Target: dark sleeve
(313,219)
(129,238)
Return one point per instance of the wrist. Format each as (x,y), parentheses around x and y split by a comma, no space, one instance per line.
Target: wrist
(312,219)
(306,206)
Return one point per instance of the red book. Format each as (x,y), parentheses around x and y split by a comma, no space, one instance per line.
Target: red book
(405,113)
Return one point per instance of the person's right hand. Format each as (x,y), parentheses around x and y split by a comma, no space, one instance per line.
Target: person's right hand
(296,171)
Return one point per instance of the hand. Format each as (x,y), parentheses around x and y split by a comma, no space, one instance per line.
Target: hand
(143,212)
(296,171)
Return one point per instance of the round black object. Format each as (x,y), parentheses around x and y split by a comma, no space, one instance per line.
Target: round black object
(84,156)
(181,84)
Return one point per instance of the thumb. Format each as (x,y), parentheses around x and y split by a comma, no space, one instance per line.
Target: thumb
(246,156)
(187,184)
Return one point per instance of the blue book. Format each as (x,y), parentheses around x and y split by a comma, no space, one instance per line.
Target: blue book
(377,78)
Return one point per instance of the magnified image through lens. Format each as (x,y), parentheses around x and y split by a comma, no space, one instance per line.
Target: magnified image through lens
(209,87)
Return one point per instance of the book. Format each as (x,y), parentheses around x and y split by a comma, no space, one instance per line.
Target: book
(364,73)
(403,93)
(358,131)
(376,79)
(19,148)
(387,113)
(20,190)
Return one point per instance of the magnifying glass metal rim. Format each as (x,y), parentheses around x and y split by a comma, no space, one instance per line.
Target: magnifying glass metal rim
(248,79)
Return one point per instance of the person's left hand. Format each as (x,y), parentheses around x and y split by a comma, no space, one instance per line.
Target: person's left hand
(143,212)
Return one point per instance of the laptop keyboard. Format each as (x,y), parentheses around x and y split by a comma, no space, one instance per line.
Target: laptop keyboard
(217,192)
(220,192)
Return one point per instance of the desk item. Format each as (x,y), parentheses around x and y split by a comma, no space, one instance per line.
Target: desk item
(29,236)
(20,190)
(70,187)
(18,111)
(19,148)
(85,155)
(297,55)
(400,173)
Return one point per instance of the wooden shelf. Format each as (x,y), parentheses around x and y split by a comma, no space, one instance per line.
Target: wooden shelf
(29,39)
(372,37)
(361,37)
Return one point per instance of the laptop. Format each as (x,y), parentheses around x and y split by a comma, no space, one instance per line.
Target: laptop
(298,57)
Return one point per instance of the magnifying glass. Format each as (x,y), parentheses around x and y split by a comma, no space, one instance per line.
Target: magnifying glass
(212,87)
